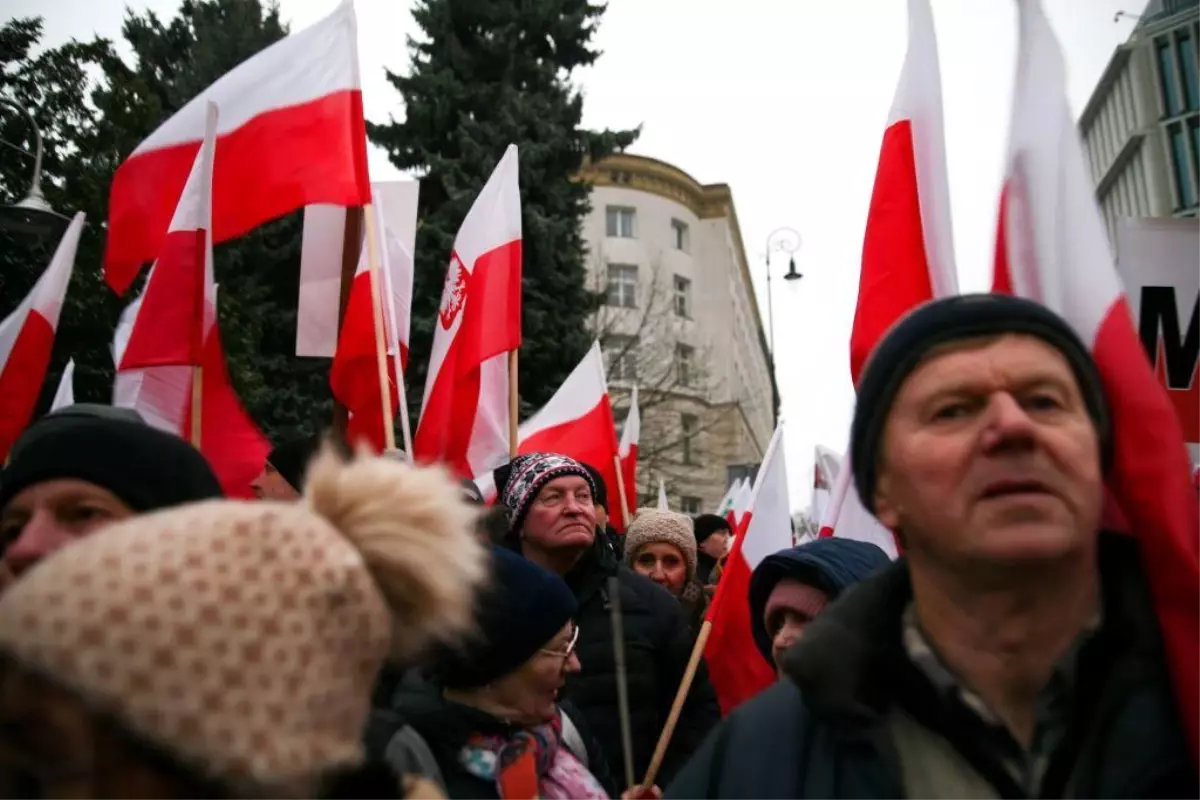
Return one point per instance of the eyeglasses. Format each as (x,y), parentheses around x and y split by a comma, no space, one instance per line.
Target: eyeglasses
(563,654)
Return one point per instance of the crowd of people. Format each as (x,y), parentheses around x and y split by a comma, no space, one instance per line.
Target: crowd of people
(373,628)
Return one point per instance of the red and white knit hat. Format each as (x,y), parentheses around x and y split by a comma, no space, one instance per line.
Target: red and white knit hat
(245,638)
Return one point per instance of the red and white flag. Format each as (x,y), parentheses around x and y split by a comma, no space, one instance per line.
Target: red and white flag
(170,330)
(27,339)
(908,254)
(354,375)
(827,465)
(65,395)
(576,422)
(292,133)
(322,242)
(731,494)
(1052,247)
(627,451)
(465,414)
(735,668)
(738,515)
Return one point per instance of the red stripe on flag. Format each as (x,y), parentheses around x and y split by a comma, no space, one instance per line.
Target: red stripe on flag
(21,378)
(895,271)
(735,667)
(279,161)
(169,325)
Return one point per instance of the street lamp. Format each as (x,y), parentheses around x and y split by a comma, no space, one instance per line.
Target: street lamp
(32,214)
(784,240)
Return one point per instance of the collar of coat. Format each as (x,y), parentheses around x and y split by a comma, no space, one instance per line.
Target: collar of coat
(846,662)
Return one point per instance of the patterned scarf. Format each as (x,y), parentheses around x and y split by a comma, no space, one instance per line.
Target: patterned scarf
(530,763)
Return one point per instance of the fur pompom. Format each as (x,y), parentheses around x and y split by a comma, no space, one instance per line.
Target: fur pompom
(416,533)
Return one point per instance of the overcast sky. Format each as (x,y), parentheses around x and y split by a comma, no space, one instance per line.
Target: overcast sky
(783,101)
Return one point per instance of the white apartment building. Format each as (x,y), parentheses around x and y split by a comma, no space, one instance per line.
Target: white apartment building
(1141,127)
(680,321)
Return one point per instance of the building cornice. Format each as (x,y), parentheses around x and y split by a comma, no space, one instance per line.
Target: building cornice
(1112,71)
(706,201)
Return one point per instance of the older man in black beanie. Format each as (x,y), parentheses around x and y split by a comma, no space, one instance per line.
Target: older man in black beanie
(1013,651)
(80,468)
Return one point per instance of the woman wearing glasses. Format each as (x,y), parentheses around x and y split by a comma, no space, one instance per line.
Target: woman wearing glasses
(490,718)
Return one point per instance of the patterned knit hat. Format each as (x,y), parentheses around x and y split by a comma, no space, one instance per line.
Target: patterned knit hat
(244,638)
(651,525)
(520,481)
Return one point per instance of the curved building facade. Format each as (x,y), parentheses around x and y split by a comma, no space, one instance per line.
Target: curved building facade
(680,321)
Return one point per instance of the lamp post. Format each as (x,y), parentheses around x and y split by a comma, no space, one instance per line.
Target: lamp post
(32,214)
(784,240)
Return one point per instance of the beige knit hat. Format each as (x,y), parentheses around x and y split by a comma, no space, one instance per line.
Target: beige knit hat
(651,525)
(245,637)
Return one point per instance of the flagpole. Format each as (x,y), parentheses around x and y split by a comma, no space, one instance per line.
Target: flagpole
(397,360)
(351,241)
(385,395)
(513,404)
(197,401)
(621,490)
(685,686)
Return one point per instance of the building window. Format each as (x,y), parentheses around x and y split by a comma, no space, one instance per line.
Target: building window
(687,427)
(1186,46)
(1180,166)
(620,356)
(622,285)
(683,297)
(1167,82)
(689,505)
(685,364)
(679,235)
(620,222)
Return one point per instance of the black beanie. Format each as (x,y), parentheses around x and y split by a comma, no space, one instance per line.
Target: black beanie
(290,459)
(147,469)
(601,496)
(952,319)
(706,525)
(519,612)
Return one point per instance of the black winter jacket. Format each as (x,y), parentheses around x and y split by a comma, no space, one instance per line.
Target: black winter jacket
(658,644)
(822,733)
(445,726)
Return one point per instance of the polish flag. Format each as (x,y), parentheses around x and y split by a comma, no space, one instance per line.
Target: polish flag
(726,504)
(27,338)
(171,330)
(354,375)
(321,244)
(734,666)
(576,422)
(465,416)
(627,451)
(738,515)
(1052,247)
(908,255)
(826,467)
(65,395)
(292,133)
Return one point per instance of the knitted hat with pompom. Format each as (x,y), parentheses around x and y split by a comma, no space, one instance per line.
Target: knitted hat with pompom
(244,638)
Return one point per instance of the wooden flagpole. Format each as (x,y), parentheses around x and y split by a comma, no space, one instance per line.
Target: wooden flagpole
(621,489)
(351,241)
(685,685)
(514,405)
(385,395)
(197,401)
(394,343)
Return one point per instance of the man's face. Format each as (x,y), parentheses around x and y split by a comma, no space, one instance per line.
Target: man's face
(786,620)
(562,515)
(270,485)
(50,515)
(716,544)
(989,457)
